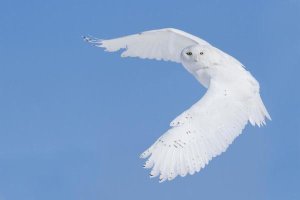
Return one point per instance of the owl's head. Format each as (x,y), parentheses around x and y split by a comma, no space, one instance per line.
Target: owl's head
(204,56)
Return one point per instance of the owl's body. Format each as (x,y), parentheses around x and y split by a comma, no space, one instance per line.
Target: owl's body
(208,127)
(208,64)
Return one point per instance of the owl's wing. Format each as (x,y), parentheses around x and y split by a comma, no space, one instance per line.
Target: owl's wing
(200,133)
(163,44)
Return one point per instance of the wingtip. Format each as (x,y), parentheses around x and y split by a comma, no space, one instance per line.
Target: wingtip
(145,154)
(85,38)
(269,117)
(161,180)
(92,40)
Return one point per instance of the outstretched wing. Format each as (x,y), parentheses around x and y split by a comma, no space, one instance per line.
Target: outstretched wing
(197,135)
(163,44)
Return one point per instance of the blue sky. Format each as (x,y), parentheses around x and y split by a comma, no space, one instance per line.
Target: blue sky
(73,119)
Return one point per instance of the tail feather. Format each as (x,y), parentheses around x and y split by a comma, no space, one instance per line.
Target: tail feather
(258,112)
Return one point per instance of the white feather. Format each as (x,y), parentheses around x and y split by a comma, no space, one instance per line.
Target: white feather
(207,128)
(163,44)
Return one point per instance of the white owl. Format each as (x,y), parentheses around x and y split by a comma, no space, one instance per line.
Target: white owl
(208,127)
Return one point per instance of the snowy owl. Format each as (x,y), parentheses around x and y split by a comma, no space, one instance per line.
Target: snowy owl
(208,127)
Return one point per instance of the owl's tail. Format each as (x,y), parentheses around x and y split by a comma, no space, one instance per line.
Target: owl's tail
(258,112)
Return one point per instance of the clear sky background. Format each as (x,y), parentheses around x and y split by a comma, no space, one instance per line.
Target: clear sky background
(74,119)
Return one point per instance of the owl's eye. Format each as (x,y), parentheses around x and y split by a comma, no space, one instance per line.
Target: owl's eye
(189,53)
(201,53)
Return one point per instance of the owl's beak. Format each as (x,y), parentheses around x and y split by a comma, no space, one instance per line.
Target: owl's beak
(197,59)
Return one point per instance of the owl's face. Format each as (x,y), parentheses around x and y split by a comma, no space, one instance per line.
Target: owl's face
(200,55)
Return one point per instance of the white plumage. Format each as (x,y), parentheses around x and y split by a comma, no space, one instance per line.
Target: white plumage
(207,128)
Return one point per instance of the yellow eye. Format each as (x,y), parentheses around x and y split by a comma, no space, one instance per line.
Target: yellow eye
(189,53)
(201,53)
